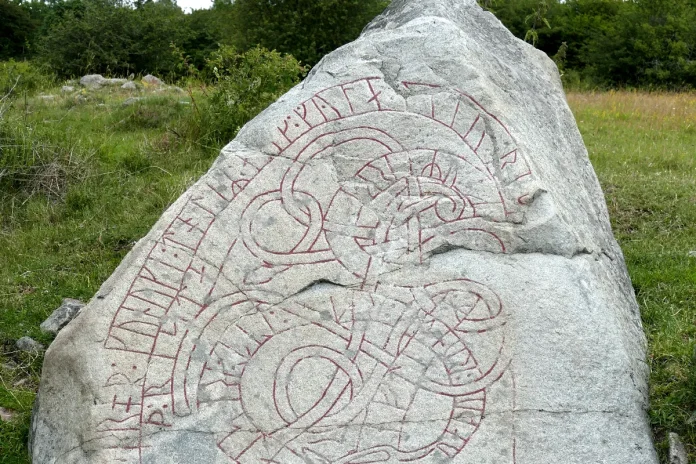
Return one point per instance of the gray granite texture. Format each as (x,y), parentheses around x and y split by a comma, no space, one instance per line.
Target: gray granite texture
(405,259)
(65,313)
(29,345)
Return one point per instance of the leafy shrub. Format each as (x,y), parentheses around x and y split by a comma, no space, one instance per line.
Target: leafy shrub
(613,43)
(25,75)
(246,84)
(308,29)
(113,37)
(17,28)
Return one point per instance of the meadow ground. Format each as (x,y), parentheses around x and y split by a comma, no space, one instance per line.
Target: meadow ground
(82,180)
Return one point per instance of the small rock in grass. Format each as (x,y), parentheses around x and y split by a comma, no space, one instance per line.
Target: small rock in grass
(130,85)
(677,452)
(65,313)
(692,254)
(67,89)
(47,97)
(97,81)
(28,345)
(152,80)
(131,101)
(6,415)
(92,81)
(692,419)
(20,382)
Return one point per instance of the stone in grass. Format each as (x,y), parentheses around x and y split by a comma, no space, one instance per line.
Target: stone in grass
(67,89)
(130,101)
(93,81)
(692,254)
(6,415)
(65,313)
(130,85)
(97,81)
(152,80)
(677,451)
(28,345)
(407,258)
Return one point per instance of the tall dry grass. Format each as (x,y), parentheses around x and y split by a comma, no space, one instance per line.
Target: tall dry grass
(650,110)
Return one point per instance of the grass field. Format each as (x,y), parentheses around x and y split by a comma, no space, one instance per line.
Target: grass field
(91,177)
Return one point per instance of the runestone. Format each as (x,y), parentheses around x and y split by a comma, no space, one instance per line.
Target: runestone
(371,373)
(377,270)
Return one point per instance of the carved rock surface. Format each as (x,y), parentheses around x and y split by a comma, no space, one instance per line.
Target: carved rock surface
(406,259)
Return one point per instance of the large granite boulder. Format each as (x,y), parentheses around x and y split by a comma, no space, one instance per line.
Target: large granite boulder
(407,258)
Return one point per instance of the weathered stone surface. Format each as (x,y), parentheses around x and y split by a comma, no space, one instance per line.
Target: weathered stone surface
(28,345)
(97,81)
(130,85)
(65,313)
(152,80)
(6,415)
(67,89)
(407,258)
(677,452)
(92,80)
(131,101)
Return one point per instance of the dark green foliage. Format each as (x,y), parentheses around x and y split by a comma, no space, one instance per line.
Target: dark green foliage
(108,36)
(649,43)
(15,30)
(246,84)
(307,29)
(93,37)
(609,43)
(22,76)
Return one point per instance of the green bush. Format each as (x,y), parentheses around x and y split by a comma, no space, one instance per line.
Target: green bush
(16,29)
(246,83)
(613,43)
(113,37)
(26,76)
(308,29)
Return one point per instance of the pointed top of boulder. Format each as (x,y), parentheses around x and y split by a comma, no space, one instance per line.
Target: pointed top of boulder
(402,11)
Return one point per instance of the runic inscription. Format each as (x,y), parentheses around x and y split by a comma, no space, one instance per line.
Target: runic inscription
(261,317)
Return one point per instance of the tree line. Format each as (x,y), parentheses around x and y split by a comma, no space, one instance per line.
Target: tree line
(76,37)
(611,43)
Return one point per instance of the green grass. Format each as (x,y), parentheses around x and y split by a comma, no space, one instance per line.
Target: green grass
(89,178)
